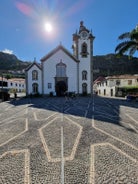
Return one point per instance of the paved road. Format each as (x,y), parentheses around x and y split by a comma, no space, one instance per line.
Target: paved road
(75,141)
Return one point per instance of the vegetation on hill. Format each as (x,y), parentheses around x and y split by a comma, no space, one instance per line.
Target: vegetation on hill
(9,64)
(110,64)
(103,65)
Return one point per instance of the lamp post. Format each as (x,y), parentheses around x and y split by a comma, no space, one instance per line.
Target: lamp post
(2,88)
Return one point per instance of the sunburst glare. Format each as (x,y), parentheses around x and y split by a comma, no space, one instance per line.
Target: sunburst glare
(48,27)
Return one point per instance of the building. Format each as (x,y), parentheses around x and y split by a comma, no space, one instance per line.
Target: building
(119,85)
(61,71)
(14,84)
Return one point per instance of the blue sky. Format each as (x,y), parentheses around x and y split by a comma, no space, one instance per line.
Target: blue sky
(22,24)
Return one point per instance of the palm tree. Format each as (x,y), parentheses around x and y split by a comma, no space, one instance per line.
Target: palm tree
(130,45)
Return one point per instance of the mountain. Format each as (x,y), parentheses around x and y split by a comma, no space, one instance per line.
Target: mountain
(110,64)
(103,65)
(11,62)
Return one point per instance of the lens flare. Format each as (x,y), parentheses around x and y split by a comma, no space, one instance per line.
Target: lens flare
(25,9)
(48,27)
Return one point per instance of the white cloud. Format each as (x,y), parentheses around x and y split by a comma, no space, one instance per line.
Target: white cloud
(7,51)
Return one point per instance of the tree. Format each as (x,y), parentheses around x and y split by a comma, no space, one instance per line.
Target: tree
(130,45)
(8,76)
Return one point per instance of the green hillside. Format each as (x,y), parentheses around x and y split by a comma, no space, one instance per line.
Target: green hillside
(103,65)
(11,62)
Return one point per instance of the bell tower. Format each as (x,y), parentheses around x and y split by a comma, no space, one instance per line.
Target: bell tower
(83,51)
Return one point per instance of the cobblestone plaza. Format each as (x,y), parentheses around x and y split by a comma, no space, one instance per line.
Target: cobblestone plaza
(87,140)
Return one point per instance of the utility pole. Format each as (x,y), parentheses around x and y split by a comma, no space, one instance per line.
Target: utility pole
(2,88)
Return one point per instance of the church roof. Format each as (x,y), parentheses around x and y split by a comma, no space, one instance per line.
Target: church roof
(59,47)
(31,65)
(99,79)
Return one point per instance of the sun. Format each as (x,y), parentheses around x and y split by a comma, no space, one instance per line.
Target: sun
(48,27)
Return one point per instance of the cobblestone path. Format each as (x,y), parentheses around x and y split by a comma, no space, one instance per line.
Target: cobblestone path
(100,141)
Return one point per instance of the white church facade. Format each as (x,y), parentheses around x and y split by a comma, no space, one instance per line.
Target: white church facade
(62,71)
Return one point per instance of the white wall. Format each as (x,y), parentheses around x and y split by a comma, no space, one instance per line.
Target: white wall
(16,83)
(105,90)
(30,81)
(84,65)
(111,84)
(49,71)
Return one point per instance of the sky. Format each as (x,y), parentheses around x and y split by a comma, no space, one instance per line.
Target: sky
(23,32)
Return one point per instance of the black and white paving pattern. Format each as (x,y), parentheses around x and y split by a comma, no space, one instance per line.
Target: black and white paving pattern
(86,140)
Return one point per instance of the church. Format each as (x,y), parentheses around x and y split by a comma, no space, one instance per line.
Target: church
(61,71)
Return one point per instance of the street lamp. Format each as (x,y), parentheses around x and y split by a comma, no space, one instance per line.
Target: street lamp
(2,95)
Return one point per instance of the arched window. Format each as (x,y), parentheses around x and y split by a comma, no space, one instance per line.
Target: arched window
(35,87)
(84,50)
(61,70)
(34,75)
(84,88)
(84,75)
